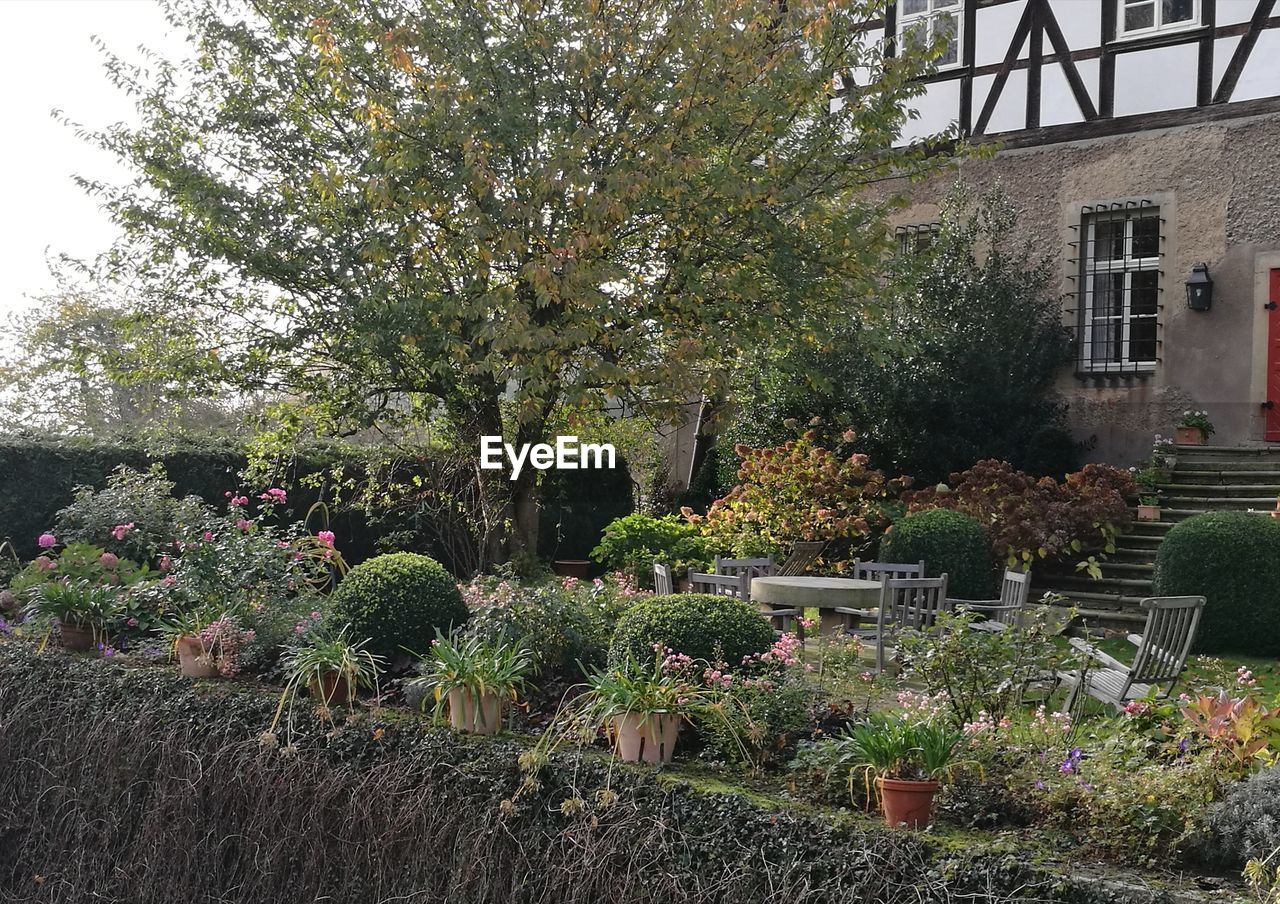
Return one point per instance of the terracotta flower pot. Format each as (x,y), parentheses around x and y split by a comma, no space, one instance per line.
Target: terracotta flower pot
(482,715)
(571,568)
(193,660)
(332,689)
(1188,436)
(640,739)
(76,637)
(1148,512)
(906,803)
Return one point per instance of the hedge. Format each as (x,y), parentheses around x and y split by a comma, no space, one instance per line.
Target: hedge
(38,474)
(1232,559)
(128,784)
(699,625)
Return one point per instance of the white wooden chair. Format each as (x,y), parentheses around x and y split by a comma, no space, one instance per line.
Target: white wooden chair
(803,554)
(753,568)
(664,583)
(1000,613)
(906,604)
(1160,659)
(874,571)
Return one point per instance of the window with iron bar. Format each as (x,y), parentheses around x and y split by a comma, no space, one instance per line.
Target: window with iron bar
(1118,288)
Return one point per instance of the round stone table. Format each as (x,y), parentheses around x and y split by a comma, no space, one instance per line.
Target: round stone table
(823,594)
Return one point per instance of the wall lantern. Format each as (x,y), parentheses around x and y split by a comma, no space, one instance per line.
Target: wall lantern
(1199,288)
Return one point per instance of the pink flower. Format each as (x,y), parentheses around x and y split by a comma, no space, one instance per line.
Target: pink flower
(121,529)
(132,623)
(109,560)
(165,563)
(47,541)
(44,563)
(326,537)
(243,524)
(208,536)
(275,495)
(168,580)
(239,500)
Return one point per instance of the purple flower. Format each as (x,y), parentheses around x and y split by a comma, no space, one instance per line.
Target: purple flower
(47,541)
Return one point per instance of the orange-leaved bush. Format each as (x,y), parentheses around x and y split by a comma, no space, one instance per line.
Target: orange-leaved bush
(799,491)
(1031,518)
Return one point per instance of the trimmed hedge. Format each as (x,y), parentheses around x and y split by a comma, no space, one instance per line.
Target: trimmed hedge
(398,600)
(1232,559)
(700,625)
(947,541)
(128,785)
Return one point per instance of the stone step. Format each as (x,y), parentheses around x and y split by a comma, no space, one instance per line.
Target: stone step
(1258,490)
(1218,503)
(1136,541)
(1128,586)
(1230,452)
(1262,474)
(1122,569)
(1132,555)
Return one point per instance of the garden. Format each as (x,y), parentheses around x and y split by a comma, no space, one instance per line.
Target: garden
(247,613)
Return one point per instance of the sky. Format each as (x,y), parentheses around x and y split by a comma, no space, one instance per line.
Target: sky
(48,61)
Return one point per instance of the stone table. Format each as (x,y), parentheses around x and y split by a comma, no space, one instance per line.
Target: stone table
(823,594)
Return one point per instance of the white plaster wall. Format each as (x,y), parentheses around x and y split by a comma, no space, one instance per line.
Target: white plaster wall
(1159,79)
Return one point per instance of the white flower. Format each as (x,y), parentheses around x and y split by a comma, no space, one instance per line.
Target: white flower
(1186,414)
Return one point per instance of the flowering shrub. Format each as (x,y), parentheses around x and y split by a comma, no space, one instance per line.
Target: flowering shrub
(223,640)
(799,491)
(1193,418)
(135,515)
(1032,518)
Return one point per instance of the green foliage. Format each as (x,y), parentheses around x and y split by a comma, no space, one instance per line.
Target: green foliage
(633,543)
(960,365)
(324,656)
(948,542)
(1029,519)
(76,602)
(702,626)
(399,601)
(893,746)
(1245,824)
(800,490)
(142,501)
(546,619)
(984,672)
(1197,419)
(474,666)
(1233,560)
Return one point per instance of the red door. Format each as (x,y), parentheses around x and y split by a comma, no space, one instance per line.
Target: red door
(1272,429)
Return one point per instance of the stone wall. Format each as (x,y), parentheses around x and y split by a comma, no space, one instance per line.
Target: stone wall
(1218,187)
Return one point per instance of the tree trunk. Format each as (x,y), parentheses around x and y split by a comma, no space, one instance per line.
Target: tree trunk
(526,513)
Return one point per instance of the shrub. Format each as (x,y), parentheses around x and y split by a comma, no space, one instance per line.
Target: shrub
(800,491)
(545,620)
(399,600)
(1245,824)
(699,625)
(134,516)
(1233,560)
(1030,518)
(633,543)
(947,541)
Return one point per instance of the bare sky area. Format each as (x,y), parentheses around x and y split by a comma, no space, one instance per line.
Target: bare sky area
(47,61)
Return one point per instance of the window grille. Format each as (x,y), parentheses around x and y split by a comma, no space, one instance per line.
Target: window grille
(915,239)
(1118,288)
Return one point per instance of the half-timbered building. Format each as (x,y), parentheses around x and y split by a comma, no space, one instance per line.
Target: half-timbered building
(1140,140)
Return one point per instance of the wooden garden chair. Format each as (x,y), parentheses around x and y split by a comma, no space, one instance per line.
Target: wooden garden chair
(874,571)
(1162,652)
(752,568)
(1000,613)
(735,585)
(906,604)
(664,583)
(803,554)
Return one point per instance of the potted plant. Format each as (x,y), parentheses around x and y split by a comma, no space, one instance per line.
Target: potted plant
(906,760)
(331,668)
(206,644)
(79,610)
(1193,429)
(472,678)
(1148,481)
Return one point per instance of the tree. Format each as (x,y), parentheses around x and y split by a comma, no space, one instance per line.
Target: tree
(500,208)
(961,367)
(79,364)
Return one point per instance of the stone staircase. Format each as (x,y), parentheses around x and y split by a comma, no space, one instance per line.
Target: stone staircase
(1204,479)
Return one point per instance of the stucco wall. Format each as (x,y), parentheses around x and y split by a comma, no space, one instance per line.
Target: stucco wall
(1218,186)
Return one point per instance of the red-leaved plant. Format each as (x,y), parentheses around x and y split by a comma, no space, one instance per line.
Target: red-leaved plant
(1031,518)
